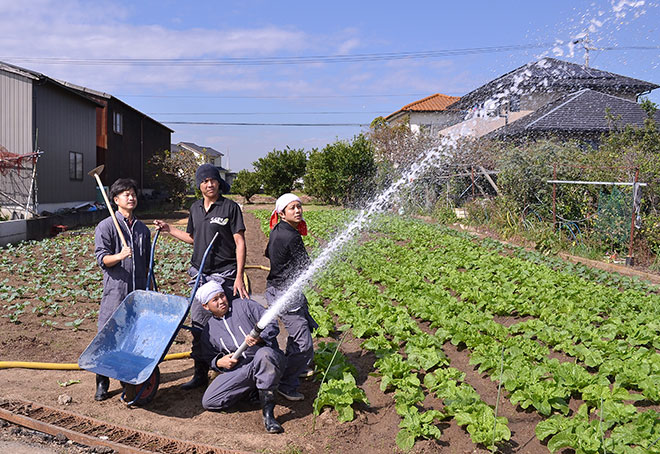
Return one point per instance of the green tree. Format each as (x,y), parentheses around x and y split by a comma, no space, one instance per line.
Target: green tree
(628,149)
(280,170)
(526,168)
(246,184)
(396,144)
(342,172)
(173,173)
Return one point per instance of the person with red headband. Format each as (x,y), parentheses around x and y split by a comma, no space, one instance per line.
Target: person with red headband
(288,257)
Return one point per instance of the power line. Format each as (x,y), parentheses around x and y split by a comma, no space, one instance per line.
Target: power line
(289,60)
(266,113)
(630,48)
(213,123)
(301,60)
(277,97)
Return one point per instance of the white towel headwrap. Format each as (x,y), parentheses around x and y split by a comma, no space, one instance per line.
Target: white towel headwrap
(282,202)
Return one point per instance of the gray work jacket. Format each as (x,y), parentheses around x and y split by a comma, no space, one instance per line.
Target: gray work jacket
(128,275)
(224,335)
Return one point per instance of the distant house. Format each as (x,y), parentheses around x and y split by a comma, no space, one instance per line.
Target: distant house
(39,112)
(230,177)
(549,96)
(205,155)
(429,114)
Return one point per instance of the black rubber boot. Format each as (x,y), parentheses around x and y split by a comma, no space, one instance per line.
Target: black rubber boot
(253,397)
(267,399)
(200,378)
(102,385)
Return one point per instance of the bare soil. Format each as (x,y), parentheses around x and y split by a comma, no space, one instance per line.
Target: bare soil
(179,414)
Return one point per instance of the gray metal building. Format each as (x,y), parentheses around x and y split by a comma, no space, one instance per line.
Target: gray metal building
(37,111)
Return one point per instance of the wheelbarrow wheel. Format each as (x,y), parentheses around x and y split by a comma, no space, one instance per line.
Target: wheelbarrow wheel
(142,393)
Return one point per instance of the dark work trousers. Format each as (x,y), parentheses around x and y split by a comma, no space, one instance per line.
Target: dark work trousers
(263,372)
(299,345)
(198,315)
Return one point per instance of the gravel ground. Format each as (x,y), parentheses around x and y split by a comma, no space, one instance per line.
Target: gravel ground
(20,440)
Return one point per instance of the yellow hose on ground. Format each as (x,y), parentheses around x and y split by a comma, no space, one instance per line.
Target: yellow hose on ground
(257,267)
(68,366)
(246,281)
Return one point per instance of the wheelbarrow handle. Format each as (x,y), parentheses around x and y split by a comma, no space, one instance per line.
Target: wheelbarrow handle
(150,276)
(201,270)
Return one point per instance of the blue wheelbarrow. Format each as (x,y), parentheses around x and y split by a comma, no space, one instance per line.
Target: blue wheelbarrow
(137,336)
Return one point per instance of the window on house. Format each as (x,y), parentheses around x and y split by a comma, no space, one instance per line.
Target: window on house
(117,123)
(75,166)
(426,128)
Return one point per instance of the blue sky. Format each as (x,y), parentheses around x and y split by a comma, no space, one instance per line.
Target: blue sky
(202,90)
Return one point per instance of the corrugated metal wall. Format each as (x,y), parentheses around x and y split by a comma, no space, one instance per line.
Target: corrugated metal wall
(16,137)
(66,122)
(15,113)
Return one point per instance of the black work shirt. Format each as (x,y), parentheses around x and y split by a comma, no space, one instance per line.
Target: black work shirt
(224,216)
(287,254)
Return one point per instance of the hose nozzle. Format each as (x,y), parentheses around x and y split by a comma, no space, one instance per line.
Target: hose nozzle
(256,331)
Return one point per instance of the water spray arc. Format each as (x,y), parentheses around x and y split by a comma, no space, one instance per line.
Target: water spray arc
(432,157)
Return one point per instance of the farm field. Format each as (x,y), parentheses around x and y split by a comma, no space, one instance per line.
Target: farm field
(446,343)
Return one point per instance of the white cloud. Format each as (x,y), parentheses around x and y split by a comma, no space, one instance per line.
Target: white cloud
(347,46)
(71,29)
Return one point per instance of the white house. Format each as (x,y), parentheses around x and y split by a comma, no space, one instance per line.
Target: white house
(205,155)
(430,114)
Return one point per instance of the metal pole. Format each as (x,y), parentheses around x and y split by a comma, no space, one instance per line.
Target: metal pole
(447,192)
(601,183)
(554,196)
(142,156)
(34,175)
(472,177)
(630,259)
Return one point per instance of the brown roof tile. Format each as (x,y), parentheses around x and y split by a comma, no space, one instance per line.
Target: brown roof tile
(433,103)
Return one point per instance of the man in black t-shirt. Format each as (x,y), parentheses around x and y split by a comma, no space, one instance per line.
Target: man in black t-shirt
(226,260)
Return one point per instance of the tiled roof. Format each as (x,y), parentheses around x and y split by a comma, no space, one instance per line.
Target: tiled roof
(434,103)
(550,74)
(201,149)
(581,111)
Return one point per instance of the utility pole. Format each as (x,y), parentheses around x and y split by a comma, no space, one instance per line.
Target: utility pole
(586,45)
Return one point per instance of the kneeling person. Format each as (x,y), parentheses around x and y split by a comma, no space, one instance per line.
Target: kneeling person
(258,368)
